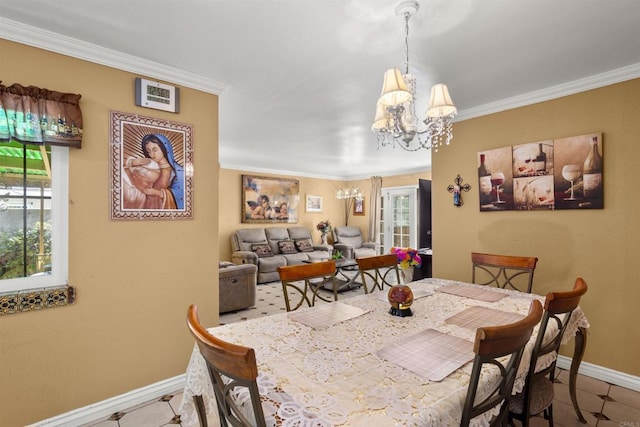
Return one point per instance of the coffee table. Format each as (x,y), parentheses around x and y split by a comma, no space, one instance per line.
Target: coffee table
(343,281)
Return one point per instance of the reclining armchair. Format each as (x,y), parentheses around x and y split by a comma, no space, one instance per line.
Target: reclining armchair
(349,241)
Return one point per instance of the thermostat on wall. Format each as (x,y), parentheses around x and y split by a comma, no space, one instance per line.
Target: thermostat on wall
(157,95)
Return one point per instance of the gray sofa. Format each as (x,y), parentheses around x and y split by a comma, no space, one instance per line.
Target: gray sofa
(273,247)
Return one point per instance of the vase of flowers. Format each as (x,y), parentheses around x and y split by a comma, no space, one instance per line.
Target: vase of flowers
(408,258)
(324,227)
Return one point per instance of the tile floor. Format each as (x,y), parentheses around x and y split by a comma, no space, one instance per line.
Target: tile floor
(602,404)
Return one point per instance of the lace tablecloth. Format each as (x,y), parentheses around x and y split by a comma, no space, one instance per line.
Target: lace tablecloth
(333,376)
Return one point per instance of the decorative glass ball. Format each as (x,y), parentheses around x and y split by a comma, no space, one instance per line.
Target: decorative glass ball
(400,297)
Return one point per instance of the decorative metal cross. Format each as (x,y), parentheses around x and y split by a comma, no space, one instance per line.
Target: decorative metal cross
(456,189)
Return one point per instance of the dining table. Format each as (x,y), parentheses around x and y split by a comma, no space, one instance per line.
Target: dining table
(352,363)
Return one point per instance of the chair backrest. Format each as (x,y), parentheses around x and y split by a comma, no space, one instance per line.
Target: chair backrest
(349,235)
(378,271)
(312,275)
(231,367)
(491,344)
(503,270)
(558,307)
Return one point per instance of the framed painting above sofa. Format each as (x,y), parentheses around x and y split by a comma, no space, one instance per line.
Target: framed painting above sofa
(269,200)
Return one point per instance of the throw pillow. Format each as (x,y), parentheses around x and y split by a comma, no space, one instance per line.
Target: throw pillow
(287,247)
(304,245)
(262,250)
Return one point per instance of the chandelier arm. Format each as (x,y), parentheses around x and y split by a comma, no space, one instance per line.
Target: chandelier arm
(433,127)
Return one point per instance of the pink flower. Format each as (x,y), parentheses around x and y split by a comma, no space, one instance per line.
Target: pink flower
(324,227)
(407,257)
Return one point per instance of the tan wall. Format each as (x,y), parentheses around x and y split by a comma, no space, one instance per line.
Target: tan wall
(333,209)
(599,245)
(134,279)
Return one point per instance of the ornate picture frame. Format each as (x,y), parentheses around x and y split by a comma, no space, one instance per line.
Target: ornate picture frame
(151,168)
(269,200)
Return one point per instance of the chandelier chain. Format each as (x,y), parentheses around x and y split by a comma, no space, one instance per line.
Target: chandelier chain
(407,15)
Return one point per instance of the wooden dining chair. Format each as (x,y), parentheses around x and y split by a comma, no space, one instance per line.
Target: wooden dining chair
(537,395)
(503,270)
(379,271)
(492,343)
(231,368)
(301,283)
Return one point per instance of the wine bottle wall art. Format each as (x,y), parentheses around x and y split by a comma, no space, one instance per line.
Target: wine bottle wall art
(562,173)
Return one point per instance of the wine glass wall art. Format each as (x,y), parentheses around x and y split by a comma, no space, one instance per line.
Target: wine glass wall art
(563,173)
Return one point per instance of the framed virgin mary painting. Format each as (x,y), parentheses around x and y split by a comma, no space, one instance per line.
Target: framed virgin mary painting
(151,168)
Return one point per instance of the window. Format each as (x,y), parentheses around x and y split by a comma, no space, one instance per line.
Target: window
(33,217)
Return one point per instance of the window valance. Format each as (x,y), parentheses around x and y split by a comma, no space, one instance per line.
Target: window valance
(31,115)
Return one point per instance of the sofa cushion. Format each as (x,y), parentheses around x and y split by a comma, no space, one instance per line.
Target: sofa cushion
(263,250)
(246,237)
(297,258)
(304,245)
(299,233)
(287,247)
(319,255)
(275,235)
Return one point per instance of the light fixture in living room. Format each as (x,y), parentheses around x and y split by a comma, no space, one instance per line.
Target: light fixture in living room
(348,195)
(395,120)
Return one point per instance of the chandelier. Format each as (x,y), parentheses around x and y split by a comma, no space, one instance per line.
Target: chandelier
(396,121)
(348,195)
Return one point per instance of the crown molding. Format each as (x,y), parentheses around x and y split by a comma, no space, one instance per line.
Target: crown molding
(298,174)
(596,81)
(47,40)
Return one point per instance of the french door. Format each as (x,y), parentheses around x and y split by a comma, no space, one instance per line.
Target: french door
(398,225)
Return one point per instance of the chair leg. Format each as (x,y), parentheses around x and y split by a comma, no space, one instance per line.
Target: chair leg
(200,409)
(550,414)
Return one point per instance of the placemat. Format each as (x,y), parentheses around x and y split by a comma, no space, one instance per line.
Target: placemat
(473,293)
(326,315)
(430,354)
(476,317)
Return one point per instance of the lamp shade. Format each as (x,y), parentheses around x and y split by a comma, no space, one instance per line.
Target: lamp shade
(440,103)
(394,89)
(380,122)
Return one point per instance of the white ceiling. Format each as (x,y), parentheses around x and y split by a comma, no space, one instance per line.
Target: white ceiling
(299,79)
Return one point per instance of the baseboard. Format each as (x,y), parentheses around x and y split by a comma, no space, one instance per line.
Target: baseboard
(604,374)
(112,405)
(145,394)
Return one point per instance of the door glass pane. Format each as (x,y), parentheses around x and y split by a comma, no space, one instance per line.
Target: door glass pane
(401,216)
(399,227)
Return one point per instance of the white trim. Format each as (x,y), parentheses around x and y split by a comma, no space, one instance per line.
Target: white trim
(54,42)
(104,409)
(112,405)
(60,214)
(564,89)
(604,374)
